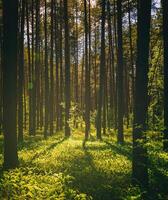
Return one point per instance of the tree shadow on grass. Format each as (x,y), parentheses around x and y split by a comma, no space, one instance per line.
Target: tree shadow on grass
(158,178)
(93,180)
(29,143)
(43,152)
(37,155)
(125,149)
(32,142)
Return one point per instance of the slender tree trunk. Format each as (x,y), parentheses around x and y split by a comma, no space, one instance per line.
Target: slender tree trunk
(131,54)
(102,73)
(87,79)
(89,59)
(76,57)
(1,78)
(82,77)
(10,28)
(104,121)
(57,52)
(165,37)
(52,70)
(33,114)
(41,123)
(120,104)
(95,68)
(29,67)
(111,67)
(126,95)
(21,75)
(24,104)
(139,164)
(37,66)
(61,84)
(67,70)
(116,74)
(46,75)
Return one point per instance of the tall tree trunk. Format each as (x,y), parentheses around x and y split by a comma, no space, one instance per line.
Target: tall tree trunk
(61,84)
(1,78)
(52,69)
(104,121)
(67,70)
(87,79)
(95,67)
(46,76)
(82,77)
(89,59)
(41,98)
(37,66)
(102,73)
(33,114)
(139,164)
(57,57)
(29,67)
(120,104)
(76,56)
(165,37)
(10,28)
(131,53)
(116,85)
(111,67)
(21,75)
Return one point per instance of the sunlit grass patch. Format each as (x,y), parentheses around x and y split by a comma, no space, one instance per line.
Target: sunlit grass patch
(97,169)
(26,183)
(71,168)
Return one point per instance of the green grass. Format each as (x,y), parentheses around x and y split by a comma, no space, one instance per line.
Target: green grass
(59,168)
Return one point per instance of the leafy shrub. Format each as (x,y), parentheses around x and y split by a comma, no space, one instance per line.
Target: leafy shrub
(28,183)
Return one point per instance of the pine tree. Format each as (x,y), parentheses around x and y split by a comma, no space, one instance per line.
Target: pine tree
(139,163)
(10,28)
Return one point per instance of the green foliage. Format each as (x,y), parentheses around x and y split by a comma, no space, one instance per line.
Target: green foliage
(158,171)
(25,183)
(33,180)
(30,85)
(28,183)
(76,117)
(59,168)
(155,86)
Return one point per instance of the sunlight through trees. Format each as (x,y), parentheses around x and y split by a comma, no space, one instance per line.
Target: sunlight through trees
(84,99)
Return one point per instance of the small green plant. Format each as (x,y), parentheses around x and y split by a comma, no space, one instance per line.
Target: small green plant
(28,183)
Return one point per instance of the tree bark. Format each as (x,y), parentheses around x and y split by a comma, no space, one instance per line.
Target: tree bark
(139,164)
(102,73)
(67,70)
(165,37)
(120,104)
(10,28)
(46,75)
(21,75)
(51,100)
(87,78)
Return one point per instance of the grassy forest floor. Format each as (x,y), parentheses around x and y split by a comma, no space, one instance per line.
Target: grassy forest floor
(59,168)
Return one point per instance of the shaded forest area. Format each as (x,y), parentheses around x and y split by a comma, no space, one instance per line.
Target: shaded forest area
(84,99)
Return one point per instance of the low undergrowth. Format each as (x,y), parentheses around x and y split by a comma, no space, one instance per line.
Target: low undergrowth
(66,169)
